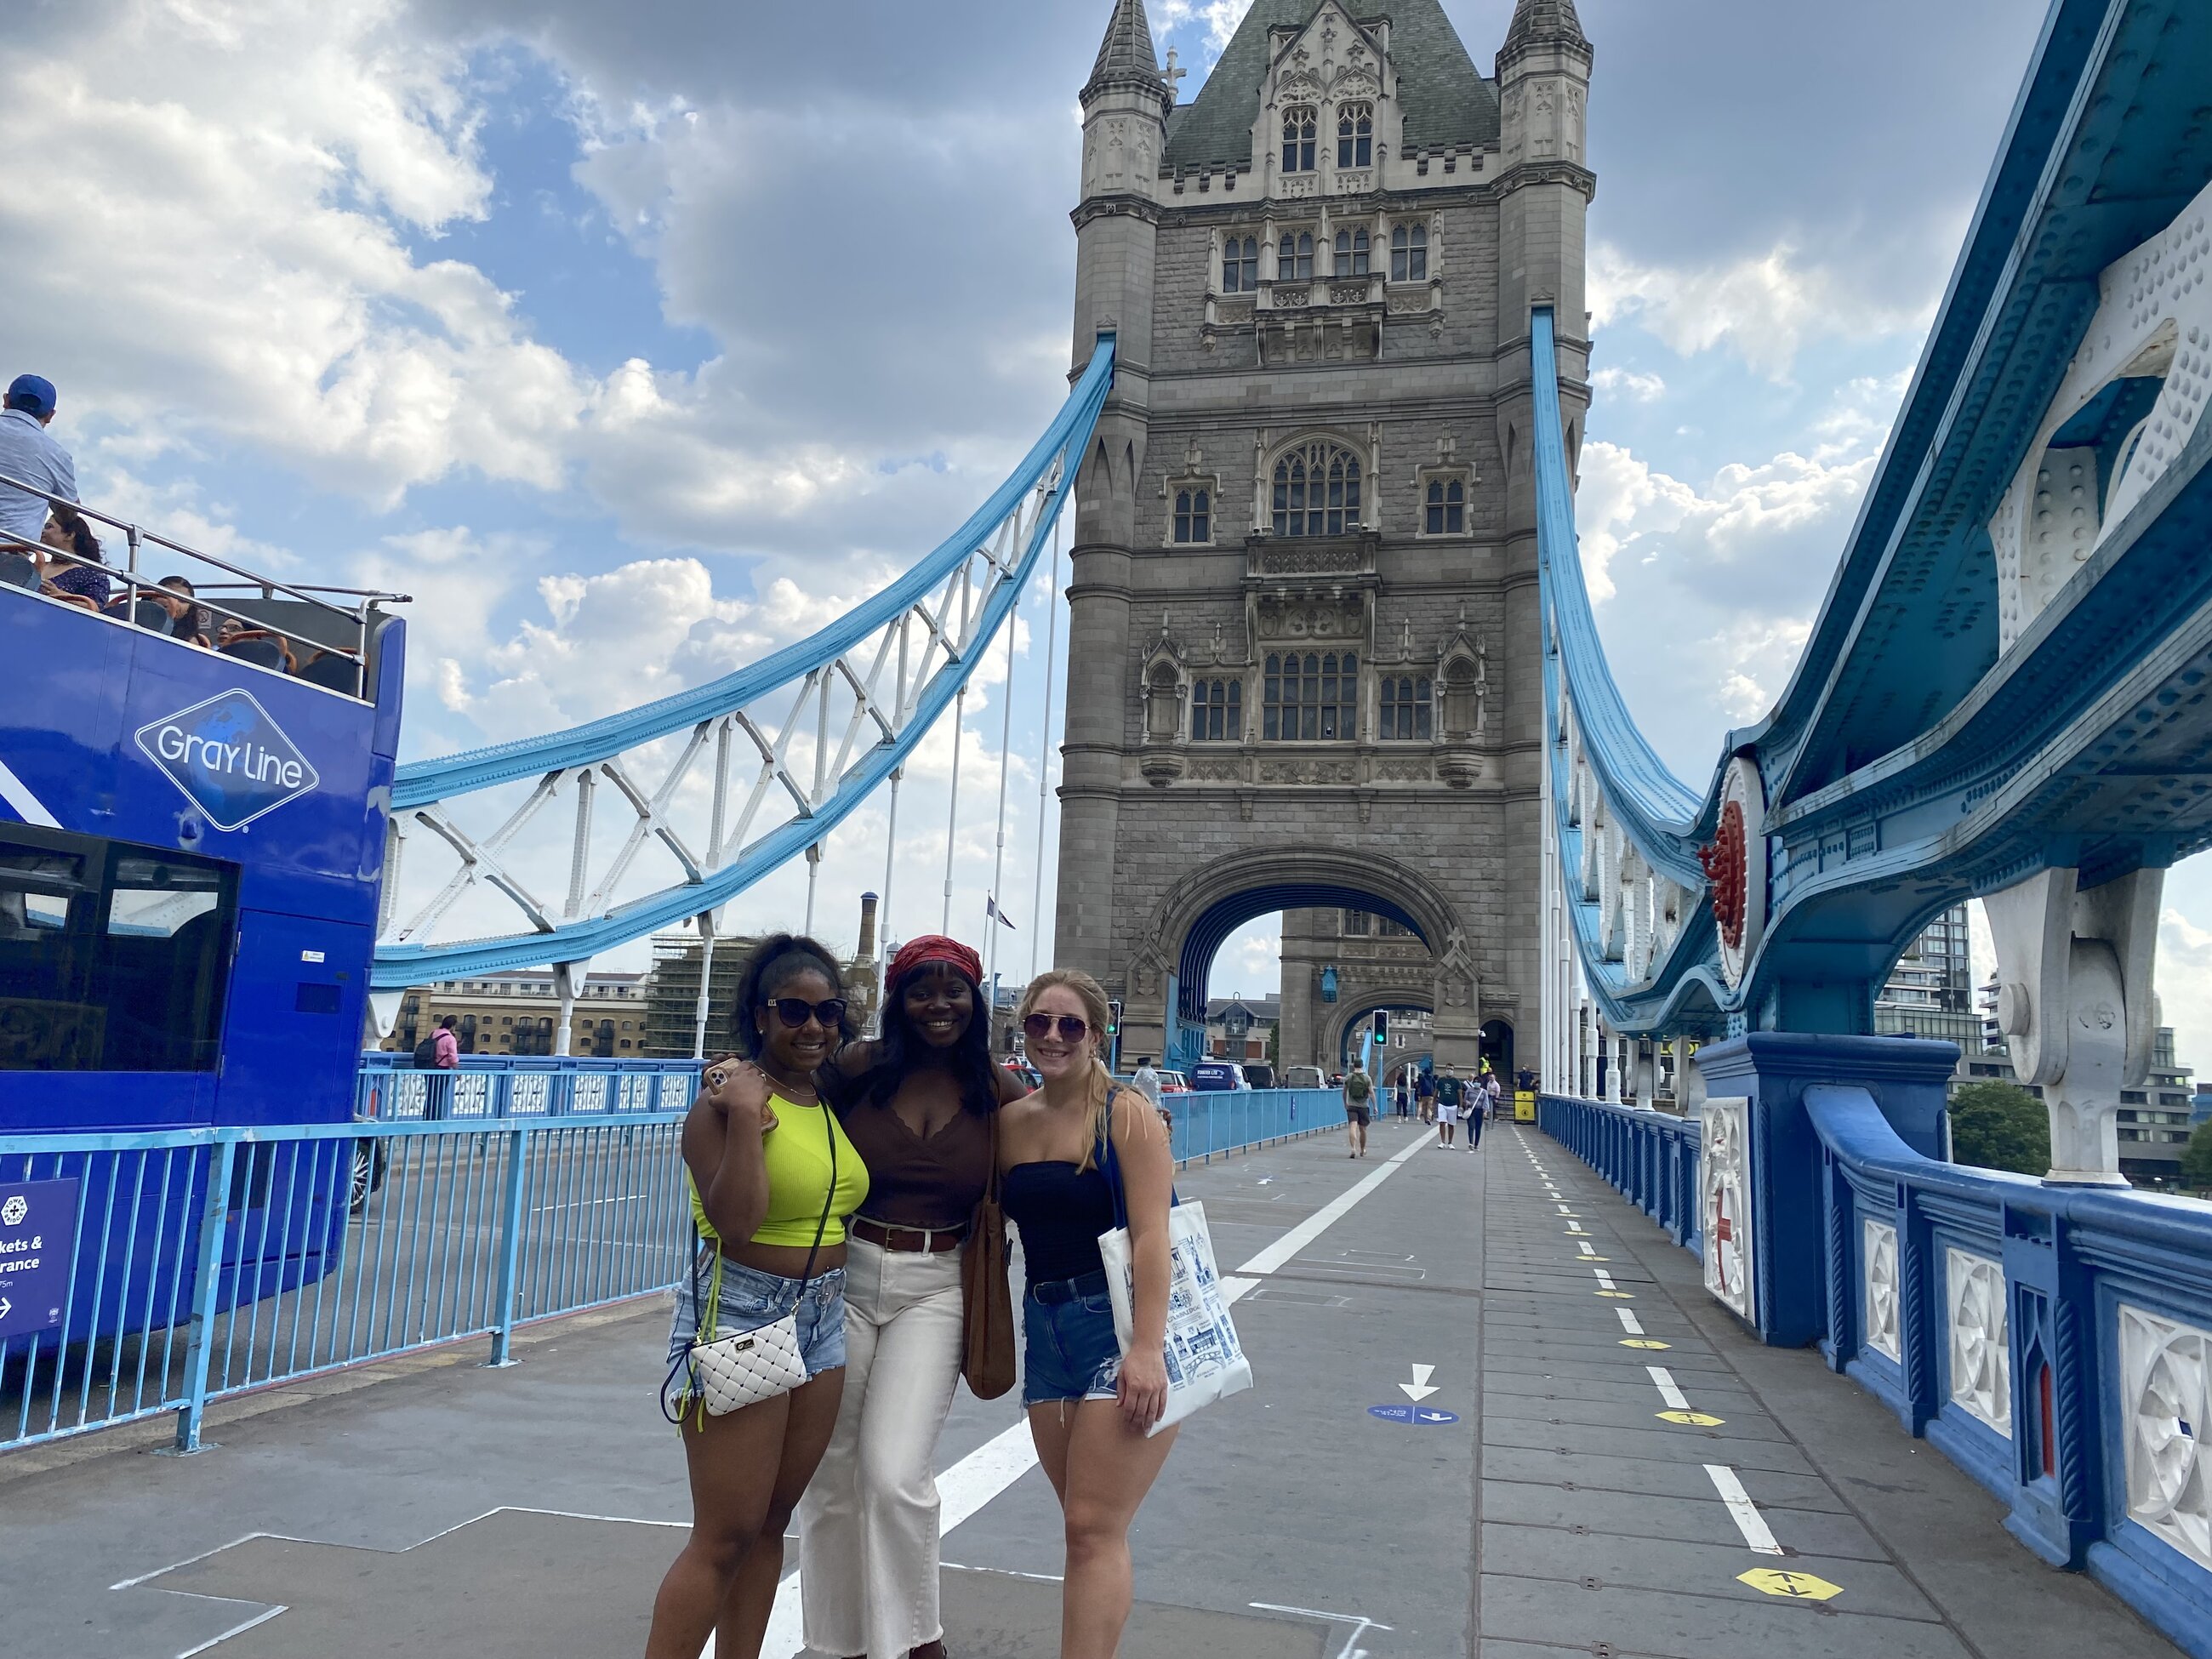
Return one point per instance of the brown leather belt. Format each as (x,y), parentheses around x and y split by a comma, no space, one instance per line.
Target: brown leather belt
(919,1240)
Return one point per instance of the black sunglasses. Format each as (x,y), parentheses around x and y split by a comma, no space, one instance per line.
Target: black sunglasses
(1072,1027)
(829,1013)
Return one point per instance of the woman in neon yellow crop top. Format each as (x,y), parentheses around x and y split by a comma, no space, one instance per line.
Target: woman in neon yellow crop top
(760,1174)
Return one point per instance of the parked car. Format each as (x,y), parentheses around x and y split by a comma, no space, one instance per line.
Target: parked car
(1211,1075)
(1302,1077)
(1174,1083)
(1260,1075)
(1031,1076)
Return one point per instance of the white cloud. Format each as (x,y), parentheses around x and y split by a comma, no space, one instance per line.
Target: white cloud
(1763,308)
(1220,18)
(1627,383)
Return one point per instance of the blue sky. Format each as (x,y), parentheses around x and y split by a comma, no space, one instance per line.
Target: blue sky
(635,341)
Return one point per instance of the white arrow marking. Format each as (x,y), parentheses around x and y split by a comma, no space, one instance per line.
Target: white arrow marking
(1419,1388)
(1663,1380)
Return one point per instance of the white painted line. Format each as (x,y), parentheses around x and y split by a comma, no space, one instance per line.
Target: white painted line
(1630,1322)
(215,1641)
(1578,1231)
(1583,1245)
(1745,1513)
(1360,1625)
(1283,1249)
(976,1479)
(1563,1210)
(1663,1380)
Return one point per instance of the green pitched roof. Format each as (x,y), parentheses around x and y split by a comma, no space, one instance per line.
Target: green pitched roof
(1445,99)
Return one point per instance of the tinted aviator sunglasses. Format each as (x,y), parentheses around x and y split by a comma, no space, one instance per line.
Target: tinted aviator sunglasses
(1072,1027)
(830,1013)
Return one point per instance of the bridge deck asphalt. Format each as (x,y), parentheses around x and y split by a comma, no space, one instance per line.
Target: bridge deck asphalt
(1536,1505)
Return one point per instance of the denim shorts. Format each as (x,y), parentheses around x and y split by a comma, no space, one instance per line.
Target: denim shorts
(1069,1351)
(751,1299)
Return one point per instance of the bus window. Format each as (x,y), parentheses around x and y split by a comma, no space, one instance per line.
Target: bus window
(113,957)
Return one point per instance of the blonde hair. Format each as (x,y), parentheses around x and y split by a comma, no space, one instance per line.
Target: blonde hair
(1092,996)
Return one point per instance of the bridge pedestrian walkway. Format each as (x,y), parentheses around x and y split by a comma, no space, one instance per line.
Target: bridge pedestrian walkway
(1448,1451)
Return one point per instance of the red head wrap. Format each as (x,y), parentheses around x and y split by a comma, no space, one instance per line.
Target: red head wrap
(933,947)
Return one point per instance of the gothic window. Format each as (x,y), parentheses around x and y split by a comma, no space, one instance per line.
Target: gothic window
(1299,130)
(1351,253)
(1409,253)
(1405,708)
(1311,698)
(1240,265)
(1386,928)
(1358,924)
(1194,514)
(1216,711)
(1446,514)
(1317,491)
(1294,258)
(1355,136)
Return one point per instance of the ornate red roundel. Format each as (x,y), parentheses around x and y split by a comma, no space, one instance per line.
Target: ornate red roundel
(1723,862)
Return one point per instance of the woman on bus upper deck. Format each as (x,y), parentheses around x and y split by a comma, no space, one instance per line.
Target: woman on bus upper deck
(771,1178)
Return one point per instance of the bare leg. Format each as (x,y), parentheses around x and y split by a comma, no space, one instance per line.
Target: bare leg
(752,1593)
(1110,1467)
(732,1461)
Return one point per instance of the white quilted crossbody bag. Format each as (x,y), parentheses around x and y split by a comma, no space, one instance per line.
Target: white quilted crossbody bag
(729,1373)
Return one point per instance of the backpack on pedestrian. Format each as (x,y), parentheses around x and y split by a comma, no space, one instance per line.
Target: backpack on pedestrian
(426,1053)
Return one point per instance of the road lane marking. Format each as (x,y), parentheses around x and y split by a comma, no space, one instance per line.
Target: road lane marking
(1745,1513)
(1630,1322)
(980,1477)
(1663,1380)
(1797,1586)
(1360,1625)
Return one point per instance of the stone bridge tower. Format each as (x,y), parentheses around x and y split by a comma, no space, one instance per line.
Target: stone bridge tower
(1305,663)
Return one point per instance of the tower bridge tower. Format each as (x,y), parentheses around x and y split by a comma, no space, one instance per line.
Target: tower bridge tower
(1304,662)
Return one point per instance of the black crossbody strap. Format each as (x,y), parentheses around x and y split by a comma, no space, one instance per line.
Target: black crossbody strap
(821,1226)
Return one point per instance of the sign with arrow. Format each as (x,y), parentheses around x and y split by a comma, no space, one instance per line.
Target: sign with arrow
(1422,1416)
(1419,1388)
(37,1229)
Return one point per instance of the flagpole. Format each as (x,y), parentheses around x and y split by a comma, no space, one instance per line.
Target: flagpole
(1005,762)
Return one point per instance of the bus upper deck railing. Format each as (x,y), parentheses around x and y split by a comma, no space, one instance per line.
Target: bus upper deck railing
(357,619)
(185,1266)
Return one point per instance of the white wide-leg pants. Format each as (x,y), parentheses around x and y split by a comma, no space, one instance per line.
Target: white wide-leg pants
(867,1526)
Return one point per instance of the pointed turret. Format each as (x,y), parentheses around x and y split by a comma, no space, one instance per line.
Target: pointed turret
(1544,22)
(1126,58)
(1543,26)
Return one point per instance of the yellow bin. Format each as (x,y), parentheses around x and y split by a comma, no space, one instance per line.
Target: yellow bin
(1524,1105)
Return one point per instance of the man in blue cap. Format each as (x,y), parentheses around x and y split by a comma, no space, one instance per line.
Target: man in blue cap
(30,455)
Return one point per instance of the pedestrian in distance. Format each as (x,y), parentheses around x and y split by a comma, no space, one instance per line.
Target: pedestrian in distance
(1449,1093)
(1473,1107)
(1424,1087)
(771,1177)
(1358,1100)
(1063,1153)
(1447,1123)
(1146,1082)
(917,1104)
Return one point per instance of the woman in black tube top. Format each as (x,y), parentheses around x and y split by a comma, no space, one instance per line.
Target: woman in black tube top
(1089,1405)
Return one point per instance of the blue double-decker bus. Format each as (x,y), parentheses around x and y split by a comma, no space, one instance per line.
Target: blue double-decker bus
(191,844)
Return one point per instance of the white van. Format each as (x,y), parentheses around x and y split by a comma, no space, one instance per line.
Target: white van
(1302,1077)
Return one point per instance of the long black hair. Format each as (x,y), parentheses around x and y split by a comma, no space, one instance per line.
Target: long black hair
(774,963)
(968,1059)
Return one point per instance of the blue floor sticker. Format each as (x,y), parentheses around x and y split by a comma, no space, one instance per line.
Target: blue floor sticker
(1422,1414)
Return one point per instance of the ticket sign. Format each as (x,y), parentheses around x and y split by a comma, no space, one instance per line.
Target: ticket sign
(38,1228)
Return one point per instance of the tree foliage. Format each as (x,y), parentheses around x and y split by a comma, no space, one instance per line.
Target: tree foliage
(2197,1158)
(2000,1126)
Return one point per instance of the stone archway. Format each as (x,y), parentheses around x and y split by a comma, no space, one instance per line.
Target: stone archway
(1165,979)
(1337,1032)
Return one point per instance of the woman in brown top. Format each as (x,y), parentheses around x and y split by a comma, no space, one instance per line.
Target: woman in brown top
(918,1103)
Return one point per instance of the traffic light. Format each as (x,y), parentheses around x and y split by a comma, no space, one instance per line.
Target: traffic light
(1381,1025)
(1113,1017)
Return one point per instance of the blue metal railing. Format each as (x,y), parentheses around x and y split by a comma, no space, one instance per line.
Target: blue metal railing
(1649,1156)
(2053,1341)
(390,1089)
(207,1262)
(1212,1122)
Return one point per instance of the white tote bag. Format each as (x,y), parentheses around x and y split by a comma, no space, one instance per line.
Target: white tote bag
(1204,1361)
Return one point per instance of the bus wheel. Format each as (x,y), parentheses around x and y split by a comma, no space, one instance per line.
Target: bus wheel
(363,1180)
